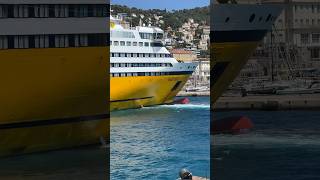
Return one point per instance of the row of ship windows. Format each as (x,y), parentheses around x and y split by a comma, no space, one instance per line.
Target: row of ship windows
(141,44)
(122,34)
(141,65)
(53,11)
(154,55)
(151,35)
(139,74)
(52,41)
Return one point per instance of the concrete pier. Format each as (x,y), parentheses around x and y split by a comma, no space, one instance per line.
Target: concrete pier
(203,93)
(270,102)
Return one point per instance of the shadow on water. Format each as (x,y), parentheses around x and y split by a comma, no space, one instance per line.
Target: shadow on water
(283,145)
(87,163)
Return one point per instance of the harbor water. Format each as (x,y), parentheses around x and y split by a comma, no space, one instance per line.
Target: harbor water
(284,145)
(87,163)
(156,142)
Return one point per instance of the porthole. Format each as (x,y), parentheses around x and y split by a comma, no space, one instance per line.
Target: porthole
(227,19)
(268,18)
(252,17)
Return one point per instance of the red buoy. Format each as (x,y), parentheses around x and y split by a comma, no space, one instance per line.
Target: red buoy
(181,101)
(231,125)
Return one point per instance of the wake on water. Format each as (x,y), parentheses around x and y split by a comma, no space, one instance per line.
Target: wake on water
(184,106)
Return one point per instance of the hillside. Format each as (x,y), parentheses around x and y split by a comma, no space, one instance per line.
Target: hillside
(174,18)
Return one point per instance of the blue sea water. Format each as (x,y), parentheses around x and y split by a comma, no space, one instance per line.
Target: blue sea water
(87,163)
(156,142)
(284,145)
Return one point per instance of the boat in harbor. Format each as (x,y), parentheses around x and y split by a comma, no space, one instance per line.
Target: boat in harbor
(53,74)
(236,30)
(142,71)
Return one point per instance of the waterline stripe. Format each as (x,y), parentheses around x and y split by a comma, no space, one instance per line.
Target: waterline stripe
(133,99)
(56,121)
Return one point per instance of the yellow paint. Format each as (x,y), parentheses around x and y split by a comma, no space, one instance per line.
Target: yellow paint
(41,84)
(159,88)
(237,54)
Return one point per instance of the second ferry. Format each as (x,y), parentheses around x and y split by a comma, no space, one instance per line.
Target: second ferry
(142,70)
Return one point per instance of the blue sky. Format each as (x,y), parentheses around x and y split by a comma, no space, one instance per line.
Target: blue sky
(162,4)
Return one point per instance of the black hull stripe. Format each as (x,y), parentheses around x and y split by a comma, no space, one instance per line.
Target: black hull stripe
(133,99)
(237,36)
(56,121)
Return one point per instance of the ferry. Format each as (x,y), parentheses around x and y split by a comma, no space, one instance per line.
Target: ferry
(142,70)
(236,30)
(53,74)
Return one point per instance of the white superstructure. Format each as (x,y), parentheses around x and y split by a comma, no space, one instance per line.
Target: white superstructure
(139,51)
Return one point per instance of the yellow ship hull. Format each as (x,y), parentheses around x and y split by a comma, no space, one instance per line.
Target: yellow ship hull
(227,60)
(52,98)
(139,91)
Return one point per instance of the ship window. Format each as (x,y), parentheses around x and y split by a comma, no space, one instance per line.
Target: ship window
(147,73)
(122,43)
(268,18)
(99,10)
(81,10)
(156,44)
(140,44)
(122,34)
(159,35)
(157,55)
(20,11)
(41,11)
(3,11)
(134,54)
(41,41)
(145,35)
(128,43)
(112,64)
(116,43)
(252,17)
(122,54)
(61,41)
(3,42)
(146,44)
(134,43)
(81,40)
(21,42)
(61,11)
